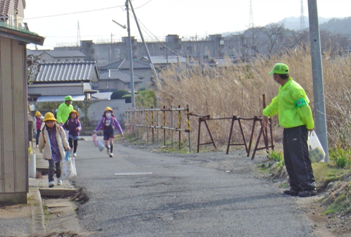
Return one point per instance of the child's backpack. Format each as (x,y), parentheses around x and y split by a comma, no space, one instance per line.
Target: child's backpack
(103,121)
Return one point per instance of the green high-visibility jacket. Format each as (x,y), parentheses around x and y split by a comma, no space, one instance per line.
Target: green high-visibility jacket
(291,104)
(63,112)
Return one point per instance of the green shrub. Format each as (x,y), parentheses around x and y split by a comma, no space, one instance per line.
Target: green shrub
(277,158)
(340,156)
(118,94)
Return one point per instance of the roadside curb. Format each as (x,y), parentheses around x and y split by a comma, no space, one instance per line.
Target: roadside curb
(37,212)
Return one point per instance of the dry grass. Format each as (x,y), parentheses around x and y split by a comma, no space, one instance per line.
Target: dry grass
(238,89)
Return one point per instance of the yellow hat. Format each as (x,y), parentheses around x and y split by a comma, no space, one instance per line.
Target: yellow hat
(108,109)
(37,113)
(49,117)
(74,111)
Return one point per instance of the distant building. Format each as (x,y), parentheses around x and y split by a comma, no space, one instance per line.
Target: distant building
(201,50)
(12,13)
(116,76)
(58,55)
(56,80)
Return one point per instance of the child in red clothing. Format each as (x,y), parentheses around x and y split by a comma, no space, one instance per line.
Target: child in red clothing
(38,120)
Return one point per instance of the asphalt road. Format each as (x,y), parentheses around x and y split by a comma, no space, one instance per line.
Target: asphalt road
(141,193)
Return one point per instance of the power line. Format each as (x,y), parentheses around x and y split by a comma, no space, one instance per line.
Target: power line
(143,5)
(72,13)
(80,12)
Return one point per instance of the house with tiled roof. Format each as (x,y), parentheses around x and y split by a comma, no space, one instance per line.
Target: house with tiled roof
(12,12)
(113,79)
(56,80)
(57,55)
(119,69)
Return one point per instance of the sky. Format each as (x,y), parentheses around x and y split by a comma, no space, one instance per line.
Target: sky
(64,22)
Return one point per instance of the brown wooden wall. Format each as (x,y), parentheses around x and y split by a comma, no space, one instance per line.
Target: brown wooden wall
(13,122)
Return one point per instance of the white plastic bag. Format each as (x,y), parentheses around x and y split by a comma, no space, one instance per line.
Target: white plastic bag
(69,167)
(73,168)
(315,149)
(66,167)
(98,143)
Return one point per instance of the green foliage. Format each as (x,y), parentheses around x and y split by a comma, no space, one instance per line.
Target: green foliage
(118,94)
(145,99)
(275,156)
(128,98)
(341,157)
(84,108)
(47,106)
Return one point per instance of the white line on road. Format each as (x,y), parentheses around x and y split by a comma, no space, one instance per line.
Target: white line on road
(133,173)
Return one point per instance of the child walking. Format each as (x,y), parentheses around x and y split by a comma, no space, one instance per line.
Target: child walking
(73,126)
(52,143)
(108,122)
(38,122)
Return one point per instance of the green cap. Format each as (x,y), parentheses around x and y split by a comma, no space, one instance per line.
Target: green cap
(68,97)
(279,68)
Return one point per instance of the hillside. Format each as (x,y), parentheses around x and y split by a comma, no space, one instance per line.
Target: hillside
(337,26)
(293,23)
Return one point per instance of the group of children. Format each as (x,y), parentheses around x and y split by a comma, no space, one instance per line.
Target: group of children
(53,142)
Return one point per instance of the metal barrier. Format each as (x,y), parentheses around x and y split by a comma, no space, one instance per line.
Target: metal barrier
(145,118)
(255,119)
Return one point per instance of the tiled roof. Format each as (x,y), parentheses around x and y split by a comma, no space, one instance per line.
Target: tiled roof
(165,60)
(66,72)
(64,53)
(6,4)
(124,64)
(118,75)
(57,53)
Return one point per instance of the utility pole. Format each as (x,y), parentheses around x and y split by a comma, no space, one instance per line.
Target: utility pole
(130,58)
(317,73)
(142,38)
(251,23)
(78,35)
(302,17)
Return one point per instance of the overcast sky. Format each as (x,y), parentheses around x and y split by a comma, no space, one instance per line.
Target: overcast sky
(187,18)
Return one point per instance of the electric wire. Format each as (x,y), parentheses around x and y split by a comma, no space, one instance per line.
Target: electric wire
(71,13)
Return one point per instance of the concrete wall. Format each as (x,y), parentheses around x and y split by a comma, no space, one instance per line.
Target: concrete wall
(13,122)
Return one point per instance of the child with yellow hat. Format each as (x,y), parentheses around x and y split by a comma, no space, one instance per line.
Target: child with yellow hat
(73,126)
(108,122)
(52,143)
(38,120)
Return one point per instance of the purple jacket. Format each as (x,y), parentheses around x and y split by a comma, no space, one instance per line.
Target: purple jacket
(72,125)
(109,121)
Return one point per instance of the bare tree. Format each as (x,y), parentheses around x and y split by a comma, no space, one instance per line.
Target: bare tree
(33,68)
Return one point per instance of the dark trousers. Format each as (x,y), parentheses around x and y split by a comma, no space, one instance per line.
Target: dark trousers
(52,167)
(37,137)
(297,162)
(73,144)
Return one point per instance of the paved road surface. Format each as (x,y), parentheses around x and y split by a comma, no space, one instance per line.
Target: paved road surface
(186,195)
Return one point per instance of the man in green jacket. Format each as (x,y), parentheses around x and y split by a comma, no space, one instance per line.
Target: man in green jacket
(295,116)
(64,109)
